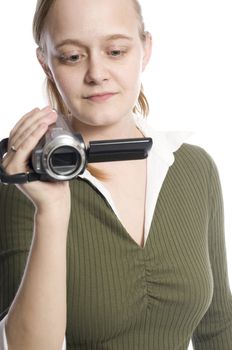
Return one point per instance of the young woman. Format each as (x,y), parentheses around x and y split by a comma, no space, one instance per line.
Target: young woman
(130,255)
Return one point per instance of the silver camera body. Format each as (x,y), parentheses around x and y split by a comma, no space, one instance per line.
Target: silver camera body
(60,154)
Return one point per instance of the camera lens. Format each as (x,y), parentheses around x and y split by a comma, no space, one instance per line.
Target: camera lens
(65,160)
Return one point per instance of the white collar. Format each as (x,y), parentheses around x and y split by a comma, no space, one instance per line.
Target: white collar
(165,143)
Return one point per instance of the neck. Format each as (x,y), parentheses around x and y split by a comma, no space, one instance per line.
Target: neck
(124,128)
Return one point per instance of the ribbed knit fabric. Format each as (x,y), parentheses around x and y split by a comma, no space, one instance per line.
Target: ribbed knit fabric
(122,296)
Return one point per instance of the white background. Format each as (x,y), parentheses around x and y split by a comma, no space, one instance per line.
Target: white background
(188,81)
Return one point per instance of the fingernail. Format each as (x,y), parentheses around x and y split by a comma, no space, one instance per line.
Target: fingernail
(47,108)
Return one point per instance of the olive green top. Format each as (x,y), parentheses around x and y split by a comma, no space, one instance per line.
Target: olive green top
(125,297)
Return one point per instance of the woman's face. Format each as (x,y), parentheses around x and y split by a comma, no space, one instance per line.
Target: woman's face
(94,47)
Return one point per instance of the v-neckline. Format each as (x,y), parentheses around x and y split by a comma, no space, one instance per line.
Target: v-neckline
(104,193)
(146,242)
(116,215)
(145,246)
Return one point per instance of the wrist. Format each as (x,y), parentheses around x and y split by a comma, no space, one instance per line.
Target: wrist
(52,220)
(60,209)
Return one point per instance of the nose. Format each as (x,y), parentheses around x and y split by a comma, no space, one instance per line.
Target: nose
(97,71)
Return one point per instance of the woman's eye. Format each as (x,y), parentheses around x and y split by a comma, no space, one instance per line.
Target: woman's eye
(70,58)
(116,53)
(74,58)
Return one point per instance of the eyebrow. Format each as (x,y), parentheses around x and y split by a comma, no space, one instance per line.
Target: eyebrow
(79,43)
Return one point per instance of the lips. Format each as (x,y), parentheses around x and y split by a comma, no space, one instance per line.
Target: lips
(100,96)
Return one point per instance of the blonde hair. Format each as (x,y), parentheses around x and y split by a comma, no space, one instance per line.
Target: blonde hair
(54,97)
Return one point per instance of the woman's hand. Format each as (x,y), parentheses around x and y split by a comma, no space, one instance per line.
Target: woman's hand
(23,138)
(37,304)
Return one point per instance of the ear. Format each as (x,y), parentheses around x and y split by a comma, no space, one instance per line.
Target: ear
(147,50)
(42,60)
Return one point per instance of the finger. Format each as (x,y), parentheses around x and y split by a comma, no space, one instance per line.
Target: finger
(23,118)
(17,162)
(25,132)
(29,118)
(10,156)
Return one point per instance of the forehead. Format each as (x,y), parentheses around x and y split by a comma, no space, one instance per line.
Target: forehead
(89,18)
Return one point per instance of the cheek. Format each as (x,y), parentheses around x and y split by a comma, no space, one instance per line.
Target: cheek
(67,83)
(132,78)
(64,77)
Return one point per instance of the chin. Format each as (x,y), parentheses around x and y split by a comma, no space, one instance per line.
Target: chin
(103,120)
(99,118)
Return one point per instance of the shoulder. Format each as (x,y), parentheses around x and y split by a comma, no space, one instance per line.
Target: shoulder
(194,152)
(198,162)
(195,156)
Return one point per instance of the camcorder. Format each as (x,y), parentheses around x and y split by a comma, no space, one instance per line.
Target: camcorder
(62,155)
